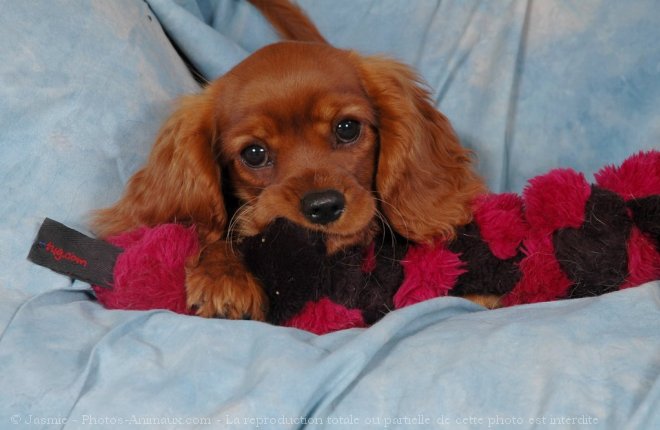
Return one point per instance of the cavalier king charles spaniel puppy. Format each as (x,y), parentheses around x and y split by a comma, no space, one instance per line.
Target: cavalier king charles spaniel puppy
(329,139)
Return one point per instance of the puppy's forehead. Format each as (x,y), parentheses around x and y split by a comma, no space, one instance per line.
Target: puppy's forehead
(286,72)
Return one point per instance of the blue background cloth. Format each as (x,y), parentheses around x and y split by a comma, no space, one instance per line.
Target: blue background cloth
(529,85)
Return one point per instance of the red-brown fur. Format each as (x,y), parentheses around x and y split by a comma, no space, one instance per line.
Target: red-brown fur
(406,168)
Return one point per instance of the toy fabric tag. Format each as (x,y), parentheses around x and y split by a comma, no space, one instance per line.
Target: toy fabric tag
(69,252)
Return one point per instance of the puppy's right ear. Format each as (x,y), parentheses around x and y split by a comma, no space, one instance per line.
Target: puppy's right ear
(180,181)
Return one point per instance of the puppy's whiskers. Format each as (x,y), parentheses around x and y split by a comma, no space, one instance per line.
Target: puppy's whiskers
(398,212)
(386,225)
(241,214)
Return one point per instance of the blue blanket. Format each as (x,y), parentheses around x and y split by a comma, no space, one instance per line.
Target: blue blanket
(528,86)
(447,362)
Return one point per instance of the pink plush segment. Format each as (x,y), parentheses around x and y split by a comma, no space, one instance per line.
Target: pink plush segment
(637,177)
(501,223)
(428,272)
(150,273)
(643,260)
(556,200)
(542,278)
(326,316)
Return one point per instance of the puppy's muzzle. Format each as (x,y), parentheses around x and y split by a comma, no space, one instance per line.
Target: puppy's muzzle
(323,207)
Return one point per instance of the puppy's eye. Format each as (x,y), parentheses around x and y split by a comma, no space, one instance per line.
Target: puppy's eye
(347,131)
(255,156)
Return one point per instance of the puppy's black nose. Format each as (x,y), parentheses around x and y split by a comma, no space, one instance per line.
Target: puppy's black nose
(323,207)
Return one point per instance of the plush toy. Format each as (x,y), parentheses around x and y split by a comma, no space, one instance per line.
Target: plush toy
(563,238)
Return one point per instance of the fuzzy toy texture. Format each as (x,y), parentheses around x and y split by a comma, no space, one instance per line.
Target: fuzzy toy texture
(150,273)
(563,238)
(305,286)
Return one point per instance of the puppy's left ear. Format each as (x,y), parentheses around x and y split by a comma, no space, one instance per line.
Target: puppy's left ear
(424,177)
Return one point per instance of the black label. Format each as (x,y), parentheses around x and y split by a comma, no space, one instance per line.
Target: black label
(72,253)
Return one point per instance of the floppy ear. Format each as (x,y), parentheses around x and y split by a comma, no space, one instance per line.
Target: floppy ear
(424,176)
(180,181)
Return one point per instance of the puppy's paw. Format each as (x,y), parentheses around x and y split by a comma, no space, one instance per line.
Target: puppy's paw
(228,295)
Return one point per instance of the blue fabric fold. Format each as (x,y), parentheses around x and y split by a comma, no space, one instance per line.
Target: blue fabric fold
(445,359)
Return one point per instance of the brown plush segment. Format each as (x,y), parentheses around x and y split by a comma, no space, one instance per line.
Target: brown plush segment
(595,256)
(486,274)
(646,215)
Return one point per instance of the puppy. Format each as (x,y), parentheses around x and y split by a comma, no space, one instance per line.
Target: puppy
(329,139)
